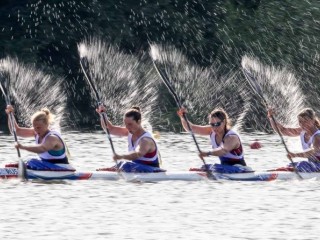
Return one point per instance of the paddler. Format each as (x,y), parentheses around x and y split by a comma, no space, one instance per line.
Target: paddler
(226,143)
(143,153)
(51,149)
(309,133)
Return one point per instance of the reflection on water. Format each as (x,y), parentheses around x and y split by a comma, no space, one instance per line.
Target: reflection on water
(165,210)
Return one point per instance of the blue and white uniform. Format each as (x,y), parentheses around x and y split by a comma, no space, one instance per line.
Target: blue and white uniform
(231,162)
(313,163)
(53,156)
(150,159)
(235,156)
(52,160)
(147,163)
(308,145)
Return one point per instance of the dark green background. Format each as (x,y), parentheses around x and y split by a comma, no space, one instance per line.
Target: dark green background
(46,33)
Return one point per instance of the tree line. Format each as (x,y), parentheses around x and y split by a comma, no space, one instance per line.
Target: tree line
(279,32)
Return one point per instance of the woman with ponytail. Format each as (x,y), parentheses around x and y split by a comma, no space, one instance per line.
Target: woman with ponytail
(226,143)
(143,155)
(309,132)
(51,150)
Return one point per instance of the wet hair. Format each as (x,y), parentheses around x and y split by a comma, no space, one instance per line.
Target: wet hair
(43,115)
(134,112)
(222,115)
(310,113)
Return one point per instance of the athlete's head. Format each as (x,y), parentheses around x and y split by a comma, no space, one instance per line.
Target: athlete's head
(307,118)
(41,120)
(132,119)
(219,119)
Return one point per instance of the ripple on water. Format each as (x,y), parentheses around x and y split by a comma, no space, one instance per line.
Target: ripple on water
(164,210)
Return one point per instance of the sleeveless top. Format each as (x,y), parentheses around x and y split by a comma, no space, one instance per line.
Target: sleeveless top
(307,145)
(150,159)
(235,156)
(53,156)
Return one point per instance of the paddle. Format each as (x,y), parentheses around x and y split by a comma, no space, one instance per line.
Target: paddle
(83,64)
(22,172)
(166,81)
(258,90)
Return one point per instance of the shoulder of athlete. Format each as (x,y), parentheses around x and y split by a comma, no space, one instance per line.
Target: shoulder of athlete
(232,141)
(52,140)
(147,142)
(316,140)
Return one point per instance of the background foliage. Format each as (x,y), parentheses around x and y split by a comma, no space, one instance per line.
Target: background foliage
(46,34)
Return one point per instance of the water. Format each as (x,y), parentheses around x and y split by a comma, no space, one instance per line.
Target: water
(164,210)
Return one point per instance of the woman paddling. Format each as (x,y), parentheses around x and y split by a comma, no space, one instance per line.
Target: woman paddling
(226,143)
(49,144)
(143,150)
(309,133)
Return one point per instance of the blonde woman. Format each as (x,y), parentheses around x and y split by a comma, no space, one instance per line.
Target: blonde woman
(49,145)
(309,132)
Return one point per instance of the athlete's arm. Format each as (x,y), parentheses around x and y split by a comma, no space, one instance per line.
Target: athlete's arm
(145,146)
(230,142)
(51,143)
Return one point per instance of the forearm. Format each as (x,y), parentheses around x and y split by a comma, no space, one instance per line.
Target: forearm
(306,154)
(217,152)
(130,156)
(34,149)
(185,125)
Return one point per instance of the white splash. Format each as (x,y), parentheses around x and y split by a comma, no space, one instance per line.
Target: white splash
(280,88)
(82,49)
(122,80)
(154,52)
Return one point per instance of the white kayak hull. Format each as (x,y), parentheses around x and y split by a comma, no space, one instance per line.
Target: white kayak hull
(9,173)
(197,176)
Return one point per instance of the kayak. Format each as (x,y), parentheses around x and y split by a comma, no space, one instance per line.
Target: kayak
(271,175)
(11,173)
(196,176)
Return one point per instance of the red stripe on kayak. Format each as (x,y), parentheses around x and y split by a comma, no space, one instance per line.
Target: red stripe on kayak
(85,176)
(272,177)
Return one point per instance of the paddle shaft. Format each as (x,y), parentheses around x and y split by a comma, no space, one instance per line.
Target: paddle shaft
(104,115)
(279,132)
(22,172)
(178,102)
(11,118)
(257,89)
